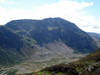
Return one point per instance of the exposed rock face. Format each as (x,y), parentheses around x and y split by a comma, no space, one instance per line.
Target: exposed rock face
(52,50)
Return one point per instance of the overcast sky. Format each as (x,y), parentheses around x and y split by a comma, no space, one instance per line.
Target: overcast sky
(84,13)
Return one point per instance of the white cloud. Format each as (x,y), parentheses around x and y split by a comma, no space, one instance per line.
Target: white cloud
(2,1)
(7,1)
(10,2)
(68,9)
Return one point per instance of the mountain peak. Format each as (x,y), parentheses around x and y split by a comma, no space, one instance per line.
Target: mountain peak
(56,19)
(53,18)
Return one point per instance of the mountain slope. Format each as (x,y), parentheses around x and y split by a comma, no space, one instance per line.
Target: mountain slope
(54,29)
(8,42)
(11,47)
(9,39)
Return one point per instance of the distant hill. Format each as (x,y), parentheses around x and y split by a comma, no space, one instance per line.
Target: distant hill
(96,37)
(42,39)
(94,34)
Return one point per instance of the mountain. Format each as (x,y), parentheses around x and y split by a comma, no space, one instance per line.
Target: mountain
(89,65)
(42,40)
(54,29)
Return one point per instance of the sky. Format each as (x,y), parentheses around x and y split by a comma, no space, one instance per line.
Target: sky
(84,13)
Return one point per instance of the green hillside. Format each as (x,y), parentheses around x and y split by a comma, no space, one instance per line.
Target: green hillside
(89,65)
